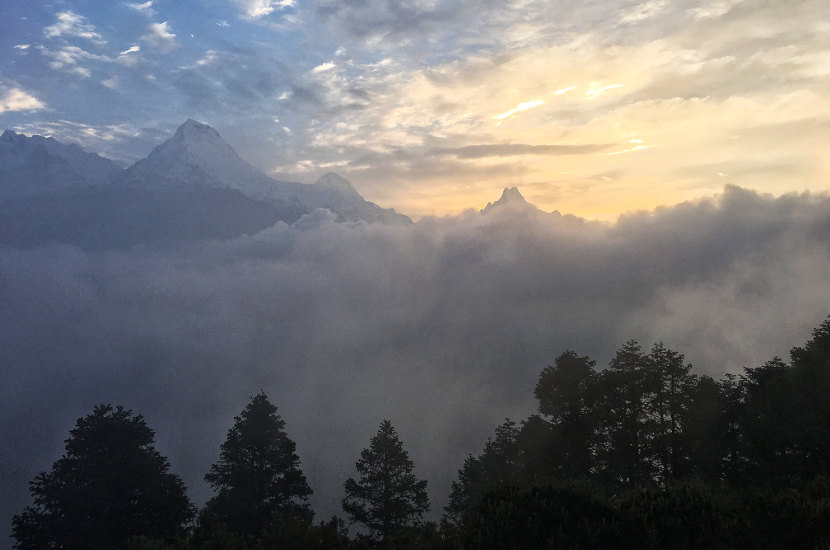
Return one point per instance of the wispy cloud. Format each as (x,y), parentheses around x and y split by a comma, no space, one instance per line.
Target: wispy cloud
(145,8)
(69,58)
(159,37)
(255,9)
(112,83)
(523,106)
(597,89)
(644,11)
(71,24)
(327,66)
(713,10)
(513,149)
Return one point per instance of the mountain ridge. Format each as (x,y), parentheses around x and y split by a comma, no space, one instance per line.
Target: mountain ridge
(193,186)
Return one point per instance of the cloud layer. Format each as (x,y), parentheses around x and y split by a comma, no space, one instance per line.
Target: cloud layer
(442,326)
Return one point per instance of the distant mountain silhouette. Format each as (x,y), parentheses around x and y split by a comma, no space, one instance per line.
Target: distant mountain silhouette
(193,186)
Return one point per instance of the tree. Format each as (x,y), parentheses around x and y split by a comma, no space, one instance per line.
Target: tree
(258,473)
(109,486)
(566,394)
(811,381)
(670,384)
(625,388)
(500,465)
(388,497)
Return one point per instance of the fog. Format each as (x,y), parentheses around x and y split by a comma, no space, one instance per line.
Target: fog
(441,326)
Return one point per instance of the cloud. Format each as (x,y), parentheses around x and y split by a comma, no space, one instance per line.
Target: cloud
(69,58)
(523,106)
(396,22)
(511,149)
(145,8)
(327,66)
(644,11)
(112,83)
(15,99)
(442,326)
(256,9)
(71,24)
(714,10)
(131,49)
(159,37)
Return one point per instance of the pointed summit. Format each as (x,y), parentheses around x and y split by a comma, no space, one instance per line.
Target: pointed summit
(510,195)
(196,131)
(197,154)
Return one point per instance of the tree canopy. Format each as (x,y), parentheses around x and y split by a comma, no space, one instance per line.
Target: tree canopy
(388,496)
(258,473)
(109,486)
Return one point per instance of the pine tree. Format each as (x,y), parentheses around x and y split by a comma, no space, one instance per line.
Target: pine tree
(566,392)
(109,486)
(258,473)
(625,388)
(388,497)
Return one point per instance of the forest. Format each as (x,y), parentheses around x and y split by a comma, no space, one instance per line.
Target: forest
(644,453)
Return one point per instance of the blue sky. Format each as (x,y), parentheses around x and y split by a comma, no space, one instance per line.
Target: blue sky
(431,106)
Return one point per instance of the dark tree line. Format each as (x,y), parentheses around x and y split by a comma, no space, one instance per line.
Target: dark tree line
(647,454)
(643,454)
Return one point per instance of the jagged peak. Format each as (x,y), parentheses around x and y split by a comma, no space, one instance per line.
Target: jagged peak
(510,195)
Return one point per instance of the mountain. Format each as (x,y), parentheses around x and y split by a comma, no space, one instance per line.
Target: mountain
(31,166)
(339,195)
(197,154)
(510,196)
(512,199)
(192,187)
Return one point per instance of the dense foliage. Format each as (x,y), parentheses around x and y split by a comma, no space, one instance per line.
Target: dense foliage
(387,498)
(109,486)
(643,454)
(258,473)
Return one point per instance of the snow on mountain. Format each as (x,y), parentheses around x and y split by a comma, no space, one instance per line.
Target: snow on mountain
(197,154)
(339,195)
(32,166)
(194,186)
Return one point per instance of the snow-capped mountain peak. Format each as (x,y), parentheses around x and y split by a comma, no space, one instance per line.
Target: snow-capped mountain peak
(197,153)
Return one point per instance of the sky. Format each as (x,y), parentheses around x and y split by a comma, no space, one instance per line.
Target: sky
(434,106)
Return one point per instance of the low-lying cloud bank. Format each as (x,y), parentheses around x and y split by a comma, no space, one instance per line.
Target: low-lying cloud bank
(441,326)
